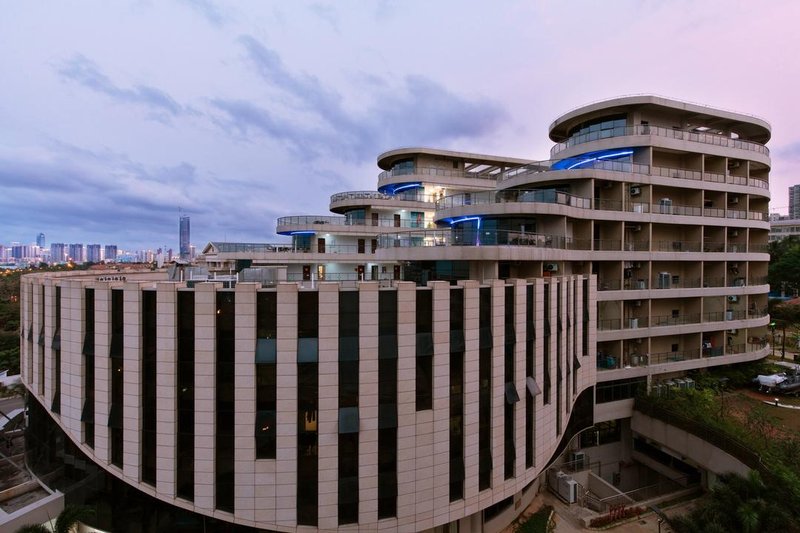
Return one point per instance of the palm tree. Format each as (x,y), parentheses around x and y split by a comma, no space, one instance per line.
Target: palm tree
(65,521)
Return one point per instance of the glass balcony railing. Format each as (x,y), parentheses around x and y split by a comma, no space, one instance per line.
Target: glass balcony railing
(375,195)
(383,222)
(659,131)
(552,196)
(436,172)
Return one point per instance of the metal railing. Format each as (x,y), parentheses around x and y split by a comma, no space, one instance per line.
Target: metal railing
(660,131)
(383,222)
(608,324)
(375,195)
(438,172)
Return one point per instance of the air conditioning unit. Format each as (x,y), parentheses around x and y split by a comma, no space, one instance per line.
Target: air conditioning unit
(637,227)
(733,233)
(733,298)
(551,267)
(733,200)
(734,164)
(637,303)
(733,331)
(636,190)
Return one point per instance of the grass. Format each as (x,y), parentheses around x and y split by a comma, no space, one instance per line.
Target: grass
(538,522)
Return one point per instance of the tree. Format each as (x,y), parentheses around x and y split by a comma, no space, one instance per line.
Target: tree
(66,521)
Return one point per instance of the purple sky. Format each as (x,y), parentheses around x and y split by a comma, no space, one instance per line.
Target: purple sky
(115,115)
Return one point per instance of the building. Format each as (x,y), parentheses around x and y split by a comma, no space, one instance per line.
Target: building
(794,202)
(58,252)
(75,253)
(110,253)
(40,240)
(184,238)
(419,360)
(93,253)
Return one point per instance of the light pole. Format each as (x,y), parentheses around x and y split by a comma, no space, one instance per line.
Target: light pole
(772,328)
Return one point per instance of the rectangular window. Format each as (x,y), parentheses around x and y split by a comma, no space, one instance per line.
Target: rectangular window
(225,402)
(307,406)
(148,387)
(41,340)
(56,405)
(116,356)
(485,389)
(456,395)
(307,455)
(546,352)
(559,358)
(530,373)
(348,406)
(424,349)
(510,388)
(87,414)
(266,374)
(387,404)
(185,379)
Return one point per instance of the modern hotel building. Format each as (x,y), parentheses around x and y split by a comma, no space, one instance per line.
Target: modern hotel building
(417,361)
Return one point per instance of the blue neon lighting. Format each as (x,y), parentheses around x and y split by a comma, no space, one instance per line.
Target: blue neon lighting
(583,159)
(465,219)
(395,187)
(302,233)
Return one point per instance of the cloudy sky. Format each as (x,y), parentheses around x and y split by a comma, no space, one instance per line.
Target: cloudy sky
(116,115)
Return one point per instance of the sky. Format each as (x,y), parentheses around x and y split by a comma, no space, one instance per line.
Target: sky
(116,117)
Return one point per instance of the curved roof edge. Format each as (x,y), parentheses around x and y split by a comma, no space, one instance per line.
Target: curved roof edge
(756,123)
(386,158)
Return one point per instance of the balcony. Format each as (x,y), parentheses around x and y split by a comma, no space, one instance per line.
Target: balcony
(659,131)
(435,172)
(382,222)
(610,324)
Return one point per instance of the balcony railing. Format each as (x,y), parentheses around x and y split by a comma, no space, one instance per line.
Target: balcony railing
(609,362)
(383,222)
(375,195)
(552,196)
(437,172)
(607,324)
(659,131)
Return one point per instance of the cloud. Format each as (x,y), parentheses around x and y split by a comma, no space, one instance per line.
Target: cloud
(417,111)
(83,71)
(208,10)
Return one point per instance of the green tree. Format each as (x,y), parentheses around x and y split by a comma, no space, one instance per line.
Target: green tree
(66,521)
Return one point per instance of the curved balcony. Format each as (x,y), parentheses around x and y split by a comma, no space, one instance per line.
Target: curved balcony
(630,284)
(622,131)
(636,168)
(411,200)
(346,224)
(435,173)
(551,196)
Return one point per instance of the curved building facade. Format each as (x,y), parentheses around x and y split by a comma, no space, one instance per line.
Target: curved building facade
(417,360)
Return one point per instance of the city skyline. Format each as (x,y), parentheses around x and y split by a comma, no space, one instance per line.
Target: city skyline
(111,133)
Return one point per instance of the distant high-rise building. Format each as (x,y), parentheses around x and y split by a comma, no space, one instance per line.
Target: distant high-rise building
(93,253)
(794,201)
(57,252)
(110,254)
(184,238)
(76,253)
(40,240)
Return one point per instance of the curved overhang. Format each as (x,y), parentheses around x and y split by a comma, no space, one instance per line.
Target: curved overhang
(387,159)
(746,126)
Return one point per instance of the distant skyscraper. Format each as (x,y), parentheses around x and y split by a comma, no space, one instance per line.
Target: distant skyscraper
(40,240)
(76,253)
(93,253)
(57,252)
(110,254)
(184,238)
(794,201)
